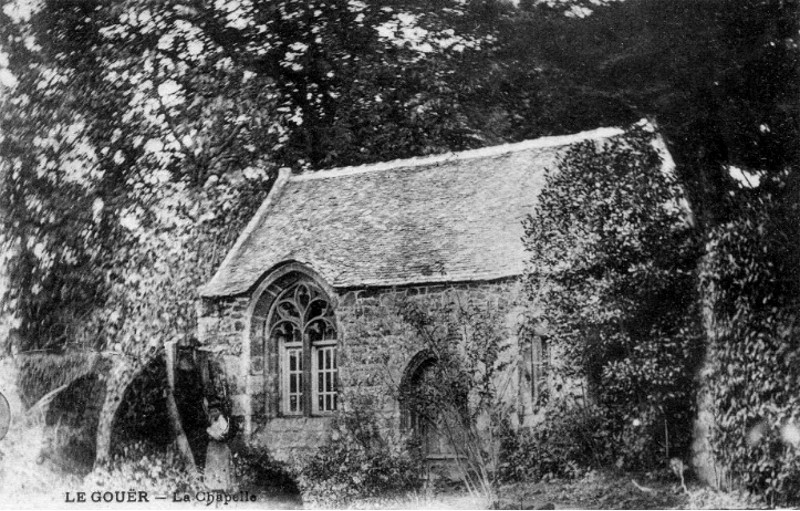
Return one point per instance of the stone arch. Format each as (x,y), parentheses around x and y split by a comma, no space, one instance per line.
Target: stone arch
(119,376)
(261,351)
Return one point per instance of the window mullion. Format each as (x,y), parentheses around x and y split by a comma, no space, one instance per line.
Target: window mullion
(308,387)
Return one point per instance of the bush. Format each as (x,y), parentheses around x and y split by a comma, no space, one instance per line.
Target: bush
(358,462)
(257,471)
(566,445)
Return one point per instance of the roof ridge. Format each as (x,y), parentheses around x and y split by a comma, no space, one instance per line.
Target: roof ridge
(419,161)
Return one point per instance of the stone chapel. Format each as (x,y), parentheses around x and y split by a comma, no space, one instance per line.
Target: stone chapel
(296,311)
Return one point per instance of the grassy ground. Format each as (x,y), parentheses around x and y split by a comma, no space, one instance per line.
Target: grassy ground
(596,490)
(614,490)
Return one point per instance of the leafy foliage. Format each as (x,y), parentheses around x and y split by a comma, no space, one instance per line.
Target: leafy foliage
(721,78)
(114,203)
(257,471)
(611,278)
(361,460)
(95,199)
(572,439)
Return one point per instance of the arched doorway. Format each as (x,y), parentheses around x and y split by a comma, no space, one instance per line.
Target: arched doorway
(432,410)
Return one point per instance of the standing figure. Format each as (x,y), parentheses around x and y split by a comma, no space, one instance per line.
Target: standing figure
(189,392)
(219,463)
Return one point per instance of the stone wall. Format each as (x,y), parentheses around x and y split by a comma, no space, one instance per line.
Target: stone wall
(375,348)
(377,345)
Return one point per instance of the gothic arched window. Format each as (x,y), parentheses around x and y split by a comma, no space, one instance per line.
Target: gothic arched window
(302,328)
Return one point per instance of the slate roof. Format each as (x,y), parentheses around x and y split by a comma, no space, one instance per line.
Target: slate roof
(447,218)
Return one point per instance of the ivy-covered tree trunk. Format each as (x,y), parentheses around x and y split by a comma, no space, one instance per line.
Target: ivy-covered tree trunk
(750,280)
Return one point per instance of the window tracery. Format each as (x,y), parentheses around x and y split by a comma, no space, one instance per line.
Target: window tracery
(302,327)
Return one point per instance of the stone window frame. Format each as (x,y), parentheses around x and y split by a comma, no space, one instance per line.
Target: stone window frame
(266,357)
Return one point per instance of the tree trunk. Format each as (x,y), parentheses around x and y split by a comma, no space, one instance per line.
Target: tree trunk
(119,377)
(180,436)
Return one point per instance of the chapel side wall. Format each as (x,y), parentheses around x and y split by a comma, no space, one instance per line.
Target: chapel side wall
(376,346)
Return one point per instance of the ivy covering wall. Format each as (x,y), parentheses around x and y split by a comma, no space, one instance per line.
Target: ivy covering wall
(611,278)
